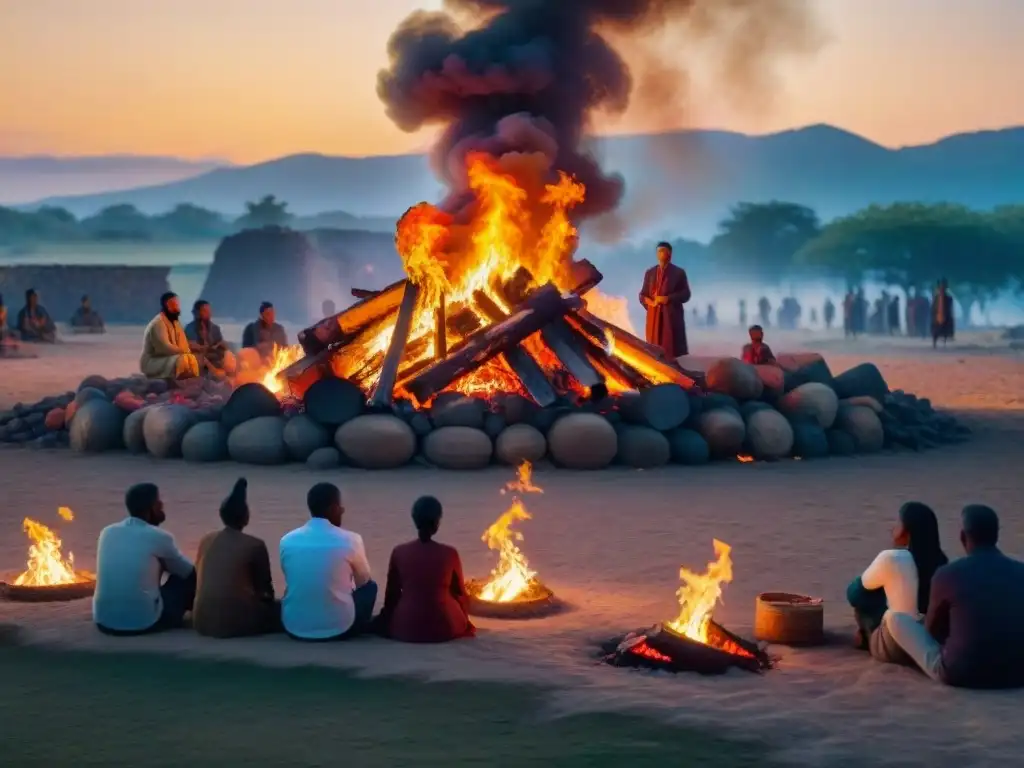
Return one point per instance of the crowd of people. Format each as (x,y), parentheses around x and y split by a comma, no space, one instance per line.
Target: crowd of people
(145,584)
(922,317)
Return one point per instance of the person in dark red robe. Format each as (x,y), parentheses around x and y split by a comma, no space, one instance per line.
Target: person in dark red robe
(663,294)
(943,324)
(425,600)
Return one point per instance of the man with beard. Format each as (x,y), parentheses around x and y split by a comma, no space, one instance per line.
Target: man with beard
(165,348)
(664,291)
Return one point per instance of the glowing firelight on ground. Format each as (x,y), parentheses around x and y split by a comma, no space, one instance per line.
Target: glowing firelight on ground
(46,565)
(699,593)
(512,578)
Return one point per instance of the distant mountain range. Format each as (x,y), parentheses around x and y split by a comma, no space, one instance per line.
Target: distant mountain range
(677,183)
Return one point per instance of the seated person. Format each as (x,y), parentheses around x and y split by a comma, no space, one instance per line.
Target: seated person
(757,352)
(898,579)
(425,599)
(207,342)
(329,594)
(264,334)
(131,558)
(973,634)
(165,350)
(4,330)
(85,319)
(235,591)
(34,323)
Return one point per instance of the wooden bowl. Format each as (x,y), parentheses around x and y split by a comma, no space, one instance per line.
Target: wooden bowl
(539,602)
(787,619)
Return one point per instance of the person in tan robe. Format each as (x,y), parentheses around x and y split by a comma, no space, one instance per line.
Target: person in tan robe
(235,590)
(165,349)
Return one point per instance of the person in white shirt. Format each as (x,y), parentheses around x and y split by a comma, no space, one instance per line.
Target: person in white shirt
(131,558)
(329,594)
(898,579)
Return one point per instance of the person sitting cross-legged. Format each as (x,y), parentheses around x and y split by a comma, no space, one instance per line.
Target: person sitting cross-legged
(235,590)
(131,558)
(973,634)
(329,594)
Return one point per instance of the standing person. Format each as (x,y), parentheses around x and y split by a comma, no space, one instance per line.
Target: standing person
(743,312)
(973,634)
(828,313)
(850,314)
(165,350)
(923,315)
(894,316)
(764,311)
(425,600)
(265,333)
(329,593)
(860,312)
(34,322)
(910,312)
(235,589)
(131,558)
(207,342)
(943,324)
(664,292)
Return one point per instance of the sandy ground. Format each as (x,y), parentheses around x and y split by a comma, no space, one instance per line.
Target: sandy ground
(611,544)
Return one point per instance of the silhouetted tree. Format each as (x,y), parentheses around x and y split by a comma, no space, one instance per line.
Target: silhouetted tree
(266,212)
(119,222)
(191,222)
(761,239)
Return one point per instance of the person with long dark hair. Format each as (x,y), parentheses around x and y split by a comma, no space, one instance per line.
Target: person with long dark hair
(425,600)
(898,579)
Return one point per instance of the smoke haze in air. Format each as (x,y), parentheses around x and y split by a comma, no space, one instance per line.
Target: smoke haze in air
(524,77)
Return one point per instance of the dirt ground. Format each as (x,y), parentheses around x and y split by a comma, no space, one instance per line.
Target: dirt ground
(611,544)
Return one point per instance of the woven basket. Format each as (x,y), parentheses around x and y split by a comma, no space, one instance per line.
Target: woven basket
(786,619)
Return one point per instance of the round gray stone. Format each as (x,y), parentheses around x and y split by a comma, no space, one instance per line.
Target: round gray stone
(734,378)
(324,458)
(461,412)
(814,400)
(249,401)
(303,435)
(134,437)
(688,447)
(809,440)
(769,434)
(583,441)
(98,426)
(205,441)
(642,447)
(458,448)
(863,425)
(724,431)
(164,428)
(89,393)
(518,443)
(376,441)
(259,441)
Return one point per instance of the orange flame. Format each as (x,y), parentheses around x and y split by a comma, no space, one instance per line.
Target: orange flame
(512,577)
(280,358)
(46,565)
(699,593)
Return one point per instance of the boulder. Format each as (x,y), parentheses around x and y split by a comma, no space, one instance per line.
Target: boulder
(376,441)
(868,402)
(420,424)
(583,441)
(164,428)
(840,443)
(95,381)
(809,440)
(735,378)
(98,426)
(54,419)
(863,379)
(774,380)
(205,441)
(249,401)
(801,372)
(494,425)
(303,435)
(814,400)
(661,407)
(714,400)
(863,425)
(458,448)
(461,412)
(642,447)
(69,413)
(331,402)
(516,409)
(753,406)
(724,431)
(259,441)
(688,447)
(134,437)
(518,443)
(87,394)
(769,434)
(324,458)
(545,418)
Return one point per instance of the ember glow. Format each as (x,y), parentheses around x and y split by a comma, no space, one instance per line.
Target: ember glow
(281,358)
(699,593)
(512,578)
(46,565)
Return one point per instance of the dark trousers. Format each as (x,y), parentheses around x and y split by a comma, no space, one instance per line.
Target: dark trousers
(869,605)
(177,595)
(363,598)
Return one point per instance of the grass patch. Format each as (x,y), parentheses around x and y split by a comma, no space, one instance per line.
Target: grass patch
(75,708)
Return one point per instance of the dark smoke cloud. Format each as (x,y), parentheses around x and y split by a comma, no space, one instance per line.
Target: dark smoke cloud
(528,75)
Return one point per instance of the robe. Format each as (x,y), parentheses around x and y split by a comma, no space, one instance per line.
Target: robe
(86,320)
(165,351)
(666,324)
(36,325)
(234,588)
(943,326)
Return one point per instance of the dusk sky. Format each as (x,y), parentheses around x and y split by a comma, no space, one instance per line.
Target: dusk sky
(248,80)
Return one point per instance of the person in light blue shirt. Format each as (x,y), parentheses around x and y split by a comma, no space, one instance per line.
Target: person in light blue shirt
(329,593)
(131,559)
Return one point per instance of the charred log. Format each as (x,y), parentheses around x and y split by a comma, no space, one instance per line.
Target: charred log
(531,375)
(463,321)
(383,393)
(363,293)
(661,407)
(345,326)
(561,339)
(488,307)
(440,330)
(584,276)
(302,374)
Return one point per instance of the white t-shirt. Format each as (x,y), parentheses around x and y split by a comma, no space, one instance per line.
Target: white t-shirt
(894,571)
(322,564)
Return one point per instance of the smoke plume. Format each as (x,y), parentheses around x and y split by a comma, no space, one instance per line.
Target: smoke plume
(525,77)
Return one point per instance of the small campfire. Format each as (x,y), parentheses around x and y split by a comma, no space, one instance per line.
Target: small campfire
(49,575)
(513,589)
(693,641)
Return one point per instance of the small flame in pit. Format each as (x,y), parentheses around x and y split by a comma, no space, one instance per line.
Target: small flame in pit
(744,458)
(280,358)
(512,577)
(46,565)
(699,593)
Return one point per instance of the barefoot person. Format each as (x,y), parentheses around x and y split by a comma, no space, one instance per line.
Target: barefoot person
(131,558)
(235,589)
(757,352)
(265,333)
(973,634)
(206,341)
(165,349)
(329,594)
(425,599)
(898,579)
(664,292)
(34,322)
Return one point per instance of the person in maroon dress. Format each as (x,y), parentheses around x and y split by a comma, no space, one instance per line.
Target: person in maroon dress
(663,294)
(425,600)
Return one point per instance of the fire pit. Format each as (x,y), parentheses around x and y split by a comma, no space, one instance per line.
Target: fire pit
(513,590)
(49,576)
(693,642)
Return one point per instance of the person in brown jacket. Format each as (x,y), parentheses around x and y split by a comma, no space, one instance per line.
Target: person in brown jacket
(235,590)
